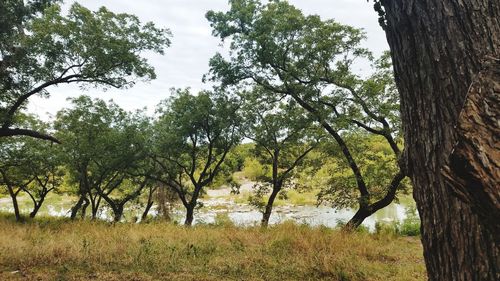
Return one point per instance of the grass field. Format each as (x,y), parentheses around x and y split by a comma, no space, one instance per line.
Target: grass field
(58,249)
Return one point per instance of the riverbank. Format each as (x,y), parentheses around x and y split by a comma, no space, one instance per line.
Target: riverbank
(58,249)
(299,207)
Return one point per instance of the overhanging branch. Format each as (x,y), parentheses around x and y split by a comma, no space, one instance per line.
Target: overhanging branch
(8,132)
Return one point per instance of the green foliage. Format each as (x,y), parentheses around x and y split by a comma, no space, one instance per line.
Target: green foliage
(234,162)
(105,150)
(96,138)
(376,161)
(410,226)
(276,42)
(258,197)
(283,134)
(30,166)
(14,168)
(253,169)
(302,58)
(310,59)
(41,48)
(193,135)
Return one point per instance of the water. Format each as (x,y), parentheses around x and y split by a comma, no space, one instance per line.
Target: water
(239,214)
(246,215)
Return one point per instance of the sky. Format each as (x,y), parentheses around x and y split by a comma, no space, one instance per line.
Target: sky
(186,60)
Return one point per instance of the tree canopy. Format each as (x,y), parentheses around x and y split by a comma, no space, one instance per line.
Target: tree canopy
(193,135)
(104,147)
(278,48)
(41,47)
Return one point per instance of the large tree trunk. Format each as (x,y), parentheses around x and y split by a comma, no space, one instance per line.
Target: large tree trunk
(439,49)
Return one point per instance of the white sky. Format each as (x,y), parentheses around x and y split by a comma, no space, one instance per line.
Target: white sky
(185,62)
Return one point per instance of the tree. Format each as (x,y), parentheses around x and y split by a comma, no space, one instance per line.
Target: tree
(284,135)
(104,147)
(14,172)
(152,189)
(130,146)
(333,175)
(43,160)
(291,55)
(193,136)
(30,166)
(445,56)
(41,48)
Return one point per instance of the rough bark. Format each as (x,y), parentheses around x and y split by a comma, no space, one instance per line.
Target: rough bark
(474,165)
(439,47)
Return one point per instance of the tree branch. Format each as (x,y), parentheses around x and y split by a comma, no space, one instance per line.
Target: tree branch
(8,132)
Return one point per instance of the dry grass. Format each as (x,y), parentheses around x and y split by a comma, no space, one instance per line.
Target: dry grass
(49,249)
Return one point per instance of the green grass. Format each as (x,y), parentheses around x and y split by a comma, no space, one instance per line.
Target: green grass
(58,249)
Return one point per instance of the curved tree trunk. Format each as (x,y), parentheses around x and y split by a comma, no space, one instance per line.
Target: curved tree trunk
(13,196)
(269,207)
(366,210)
(146,211)
(76,208)
(440,49)
(149,204)
(37,204)
(35,210)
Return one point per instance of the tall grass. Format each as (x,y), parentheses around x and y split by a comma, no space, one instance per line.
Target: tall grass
(50,249)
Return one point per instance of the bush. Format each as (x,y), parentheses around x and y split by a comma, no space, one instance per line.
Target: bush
(223,219)
(410,226)
(252,169)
